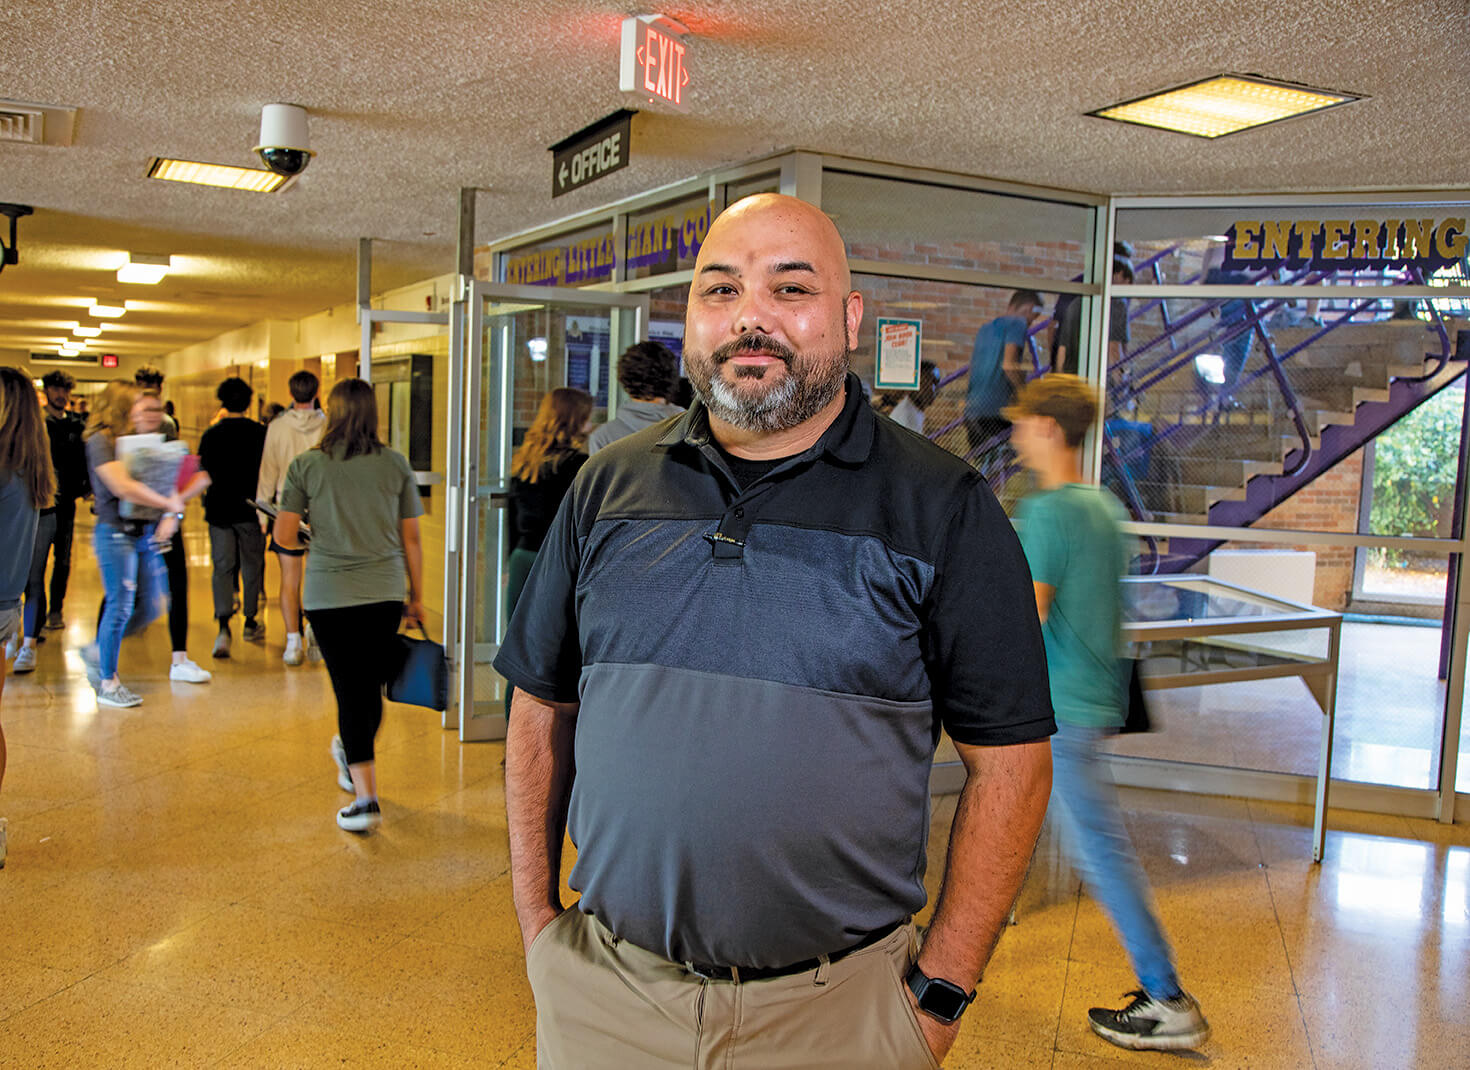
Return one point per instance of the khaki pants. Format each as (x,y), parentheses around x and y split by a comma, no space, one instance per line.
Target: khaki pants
(604,1004)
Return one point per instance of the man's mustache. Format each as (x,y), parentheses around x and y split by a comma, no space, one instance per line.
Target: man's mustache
(755,343)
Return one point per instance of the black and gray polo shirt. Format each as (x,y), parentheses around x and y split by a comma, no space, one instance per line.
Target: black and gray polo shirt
(763,674)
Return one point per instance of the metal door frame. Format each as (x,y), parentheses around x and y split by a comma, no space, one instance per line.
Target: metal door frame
(467,340)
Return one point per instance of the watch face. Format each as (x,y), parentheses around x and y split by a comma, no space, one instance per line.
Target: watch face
(943,999)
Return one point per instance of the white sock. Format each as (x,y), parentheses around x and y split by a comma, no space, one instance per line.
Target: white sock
(293,638)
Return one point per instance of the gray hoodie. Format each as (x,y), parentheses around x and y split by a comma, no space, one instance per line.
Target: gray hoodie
(632,416)
(294,431)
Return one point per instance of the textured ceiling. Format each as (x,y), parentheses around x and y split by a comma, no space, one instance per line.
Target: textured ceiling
(410,101)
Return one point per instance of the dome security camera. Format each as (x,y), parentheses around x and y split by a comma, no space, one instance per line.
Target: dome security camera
(283,139)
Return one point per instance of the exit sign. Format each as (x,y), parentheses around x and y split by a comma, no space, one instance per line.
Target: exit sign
(109,360)
(653,60)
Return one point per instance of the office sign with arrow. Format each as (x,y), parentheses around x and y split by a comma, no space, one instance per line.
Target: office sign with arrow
(592,152)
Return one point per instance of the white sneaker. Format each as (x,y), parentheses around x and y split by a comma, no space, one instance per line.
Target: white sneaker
(186,672)
(313,652)
(118,696)
(359,817)
(2,842)
(339,755)
(1152,1024)
(294,654)
(25,660)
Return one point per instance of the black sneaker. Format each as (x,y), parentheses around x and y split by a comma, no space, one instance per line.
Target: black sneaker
(254,631)
(1153,1024)
(359,817)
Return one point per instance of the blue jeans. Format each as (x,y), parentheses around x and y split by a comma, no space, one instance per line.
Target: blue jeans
(1086,804)
(133,579)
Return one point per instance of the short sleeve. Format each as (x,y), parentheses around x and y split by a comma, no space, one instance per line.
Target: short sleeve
(100,451)
(207,452)
(542,651)
(983,647)
(294,498)
(1044,542)
(1015,331)
(410,504)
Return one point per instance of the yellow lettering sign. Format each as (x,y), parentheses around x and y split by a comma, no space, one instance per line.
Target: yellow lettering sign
(1450,238)
(1276,239)
(1333,247)
(1365,239)
(1247,239)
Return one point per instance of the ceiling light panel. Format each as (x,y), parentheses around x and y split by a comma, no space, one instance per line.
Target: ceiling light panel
(100,311)
(1225,104)
(86,332)
(249,179)
(141,268)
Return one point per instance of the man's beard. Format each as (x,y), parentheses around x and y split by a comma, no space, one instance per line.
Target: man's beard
(808,386)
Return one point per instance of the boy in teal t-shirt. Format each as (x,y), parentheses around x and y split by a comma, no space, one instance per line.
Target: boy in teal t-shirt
(1075,547)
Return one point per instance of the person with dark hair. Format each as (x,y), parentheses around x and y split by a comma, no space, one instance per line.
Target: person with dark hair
(362,504)
(27,485)
(274,409)
(297,430)
(150,380)
(649,373)
(1074,542)
(1122,250)
(541,472)
(230,452)
(183,668)
(996,371)
(57,519)
(1068,331)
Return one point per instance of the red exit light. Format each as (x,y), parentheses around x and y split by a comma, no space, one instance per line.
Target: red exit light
(653,60)
(109,360)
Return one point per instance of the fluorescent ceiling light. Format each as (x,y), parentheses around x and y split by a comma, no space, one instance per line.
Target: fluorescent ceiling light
(1222,105)
(67,351)
(144,269)
(106,312)
(86,332)
(250,179)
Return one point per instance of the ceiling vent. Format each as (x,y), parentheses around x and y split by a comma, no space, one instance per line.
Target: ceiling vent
(22,124)
(36,124)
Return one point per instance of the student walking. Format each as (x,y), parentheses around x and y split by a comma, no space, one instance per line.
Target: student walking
(362,504)
(288,436)
(1074,544)
(133,578)
(27,484)
(541,473)
(230,452)
(182,668)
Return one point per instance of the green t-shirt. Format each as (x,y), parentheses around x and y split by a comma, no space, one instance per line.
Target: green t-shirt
(354,508)
(1074,544)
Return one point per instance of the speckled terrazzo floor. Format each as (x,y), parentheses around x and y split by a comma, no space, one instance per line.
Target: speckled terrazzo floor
(178,895)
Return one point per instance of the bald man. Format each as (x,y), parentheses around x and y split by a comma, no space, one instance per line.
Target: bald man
(732,662)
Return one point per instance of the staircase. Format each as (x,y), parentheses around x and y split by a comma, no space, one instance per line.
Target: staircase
(1180,450)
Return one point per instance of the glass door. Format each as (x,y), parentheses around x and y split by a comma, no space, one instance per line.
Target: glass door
(521,342)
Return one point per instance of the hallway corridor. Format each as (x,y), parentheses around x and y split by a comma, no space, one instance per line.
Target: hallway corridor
(177,894)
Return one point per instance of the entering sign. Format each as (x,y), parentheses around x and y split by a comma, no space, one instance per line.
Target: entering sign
(652,59)
(591,153)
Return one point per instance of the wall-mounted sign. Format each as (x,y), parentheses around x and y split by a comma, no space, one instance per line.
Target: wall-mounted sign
(109,360)
(898,354)
(668,239)
(652,61)
(1345,244)
(57,358)
(591,153)
(590,257)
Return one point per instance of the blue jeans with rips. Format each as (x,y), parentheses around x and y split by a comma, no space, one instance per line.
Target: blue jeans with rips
(1086,804)
(135,586)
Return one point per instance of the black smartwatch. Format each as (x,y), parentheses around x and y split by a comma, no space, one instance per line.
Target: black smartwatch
(939,999)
